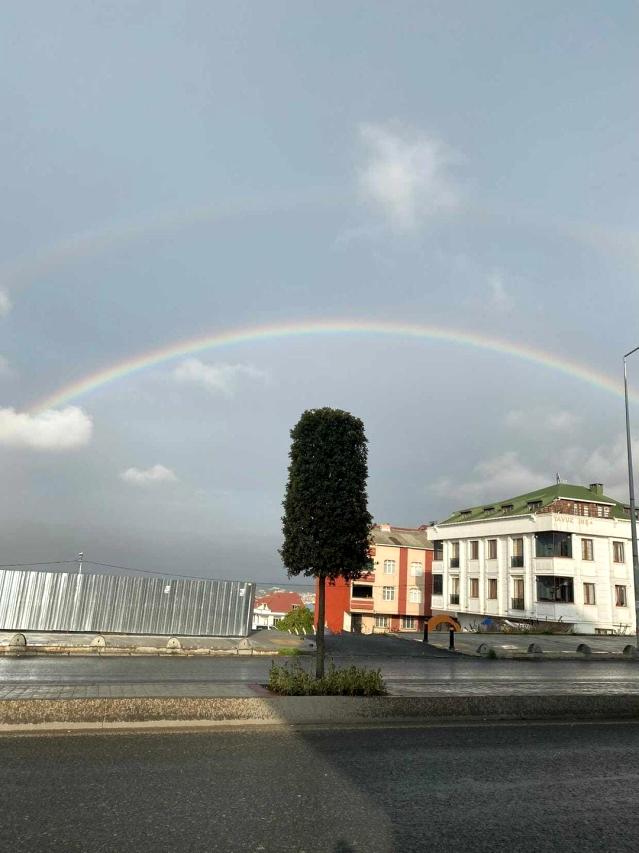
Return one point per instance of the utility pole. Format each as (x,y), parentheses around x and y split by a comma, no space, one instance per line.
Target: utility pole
(631,489)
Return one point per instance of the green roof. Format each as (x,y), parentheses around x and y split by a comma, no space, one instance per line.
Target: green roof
(540,499)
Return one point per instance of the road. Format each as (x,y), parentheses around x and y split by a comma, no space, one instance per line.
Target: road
(407,670)
(570,787)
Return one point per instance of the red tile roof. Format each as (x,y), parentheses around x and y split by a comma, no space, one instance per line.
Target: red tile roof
(280,602)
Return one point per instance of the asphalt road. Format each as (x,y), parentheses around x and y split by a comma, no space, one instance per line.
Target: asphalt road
(404,675)
(475,788)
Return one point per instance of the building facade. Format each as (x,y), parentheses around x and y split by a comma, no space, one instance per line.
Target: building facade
(395,595)
(560,555)
(272,607)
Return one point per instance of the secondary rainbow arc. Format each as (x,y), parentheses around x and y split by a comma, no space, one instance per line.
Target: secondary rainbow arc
(298,329)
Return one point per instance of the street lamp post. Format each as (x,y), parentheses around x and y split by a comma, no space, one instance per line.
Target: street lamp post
(631,488)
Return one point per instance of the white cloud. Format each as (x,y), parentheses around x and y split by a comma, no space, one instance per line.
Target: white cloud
(500,299)
(148,476)
(542,420)
(219,378)
(501,477)
(5,303)
(407,175)
(50,430)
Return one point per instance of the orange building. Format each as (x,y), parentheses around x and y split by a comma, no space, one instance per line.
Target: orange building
(396,595)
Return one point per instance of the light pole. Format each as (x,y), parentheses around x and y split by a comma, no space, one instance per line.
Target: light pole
(631,488)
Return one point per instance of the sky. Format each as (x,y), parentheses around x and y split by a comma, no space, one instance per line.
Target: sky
(333,172)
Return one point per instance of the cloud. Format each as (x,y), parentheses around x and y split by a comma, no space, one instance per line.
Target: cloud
(218,378)
(501,477)
(406,175)
(150,476)
(53,429)
(5,303)
(536,420)
(500,299)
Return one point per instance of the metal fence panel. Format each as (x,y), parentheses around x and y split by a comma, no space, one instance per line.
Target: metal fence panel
(56,601)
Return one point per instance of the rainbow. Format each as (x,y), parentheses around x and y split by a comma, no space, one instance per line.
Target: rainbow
(302,329)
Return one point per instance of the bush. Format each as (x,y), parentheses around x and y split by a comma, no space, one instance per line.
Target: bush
(294,680)
(299,620)
(287,650)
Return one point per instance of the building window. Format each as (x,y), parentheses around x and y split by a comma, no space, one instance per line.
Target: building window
(454,590)
(438,549)
(408,623)
(600,510)
(517,602)
(589,593)
(416,570)
(474,550)
(381,621)
(534,505)
(553,544)
(492,549)
(551,588)
(606,510)
(617,552)
(360,591)
(438,584)
(586,550)
(492,588)
(517,559)
(389,567)
(415,595)
(620,596)
(454,559)
(474,587)
(388,593)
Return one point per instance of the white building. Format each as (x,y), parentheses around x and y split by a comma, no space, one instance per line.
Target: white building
(561,554)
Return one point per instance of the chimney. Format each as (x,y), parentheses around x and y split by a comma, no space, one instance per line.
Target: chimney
(597,489)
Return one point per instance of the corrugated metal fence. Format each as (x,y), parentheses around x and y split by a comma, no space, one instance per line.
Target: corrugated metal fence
(52,601)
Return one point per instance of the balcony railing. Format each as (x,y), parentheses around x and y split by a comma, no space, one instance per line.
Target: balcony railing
(517,561)
(454,598)
(454,562)
(517,604)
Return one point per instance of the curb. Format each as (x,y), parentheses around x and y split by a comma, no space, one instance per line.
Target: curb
(103,713)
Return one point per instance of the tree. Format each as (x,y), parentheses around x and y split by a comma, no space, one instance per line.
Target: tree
(297,619)
(326,522)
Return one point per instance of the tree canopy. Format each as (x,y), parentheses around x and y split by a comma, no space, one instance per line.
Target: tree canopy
(326,520)
(297,619)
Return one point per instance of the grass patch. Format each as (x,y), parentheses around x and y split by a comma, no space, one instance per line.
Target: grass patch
(291,652)
(293,680)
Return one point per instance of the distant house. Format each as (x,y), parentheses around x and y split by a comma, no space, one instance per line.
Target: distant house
(269,608)
(395,595)
(561,554)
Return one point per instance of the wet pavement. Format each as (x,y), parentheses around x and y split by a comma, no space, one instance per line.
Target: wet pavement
(409,670)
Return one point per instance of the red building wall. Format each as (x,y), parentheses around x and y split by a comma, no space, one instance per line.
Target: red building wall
(338,602)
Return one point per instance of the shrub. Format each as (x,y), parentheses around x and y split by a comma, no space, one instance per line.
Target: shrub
(294,680)
(289,651)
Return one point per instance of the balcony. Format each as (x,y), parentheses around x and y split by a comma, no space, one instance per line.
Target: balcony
(454,562)
(517,562)
(517,604)
(454,598)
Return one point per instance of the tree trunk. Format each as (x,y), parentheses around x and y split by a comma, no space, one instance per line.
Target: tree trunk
(319,637)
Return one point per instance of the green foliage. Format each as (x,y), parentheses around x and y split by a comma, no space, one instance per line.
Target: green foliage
(326,522)
(298,619)
(290,652)
(492,654)
(294,680)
